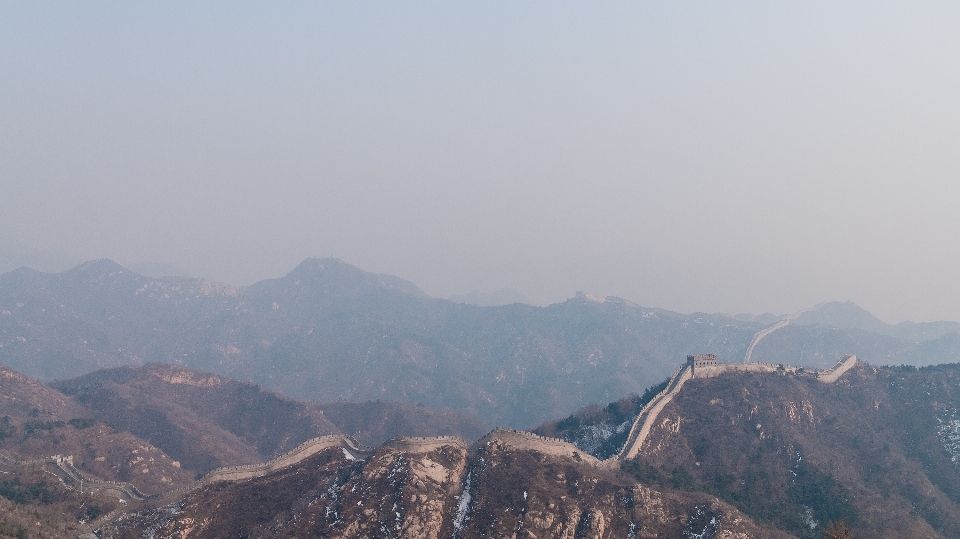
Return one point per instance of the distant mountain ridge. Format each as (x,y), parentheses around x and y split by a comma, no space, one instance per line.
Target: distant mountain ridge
(503,296)
(850,315)
(329,331)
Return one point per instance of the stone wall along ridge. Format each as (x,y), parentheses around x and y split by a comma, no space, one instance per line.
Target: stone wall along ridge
(295,455)
(767,331)
(424,444)
(69,473)
(649,413)
(637,424)
(521,439)
(760,335)
(828,376)
(845,364)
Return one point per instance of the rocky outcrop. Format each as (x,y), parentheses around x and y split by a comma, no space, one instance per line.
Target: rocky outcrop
(433,489)
(406,488)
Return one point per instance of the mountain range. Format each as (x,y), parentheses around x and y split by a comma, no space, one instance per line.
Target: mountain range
(329,331)
(765,455)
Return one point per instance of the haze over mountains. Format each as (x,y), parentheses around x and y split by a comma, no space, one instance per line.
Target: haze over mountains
(761,455)
(328,331)
(503,296)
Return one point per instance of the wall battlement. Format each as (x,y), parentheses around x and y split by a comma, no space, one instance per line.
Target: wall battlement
(701,361)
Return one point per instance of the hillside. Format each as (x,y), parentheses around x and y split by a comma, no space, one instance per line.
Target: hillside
(877,449)
(328,331)
(778,454)
(207,421)
(105,422)
(37,421)
(203,420)
(441,489)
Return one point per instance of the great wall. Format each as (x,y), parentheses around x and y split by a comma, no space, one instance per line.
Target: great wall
(697,366)
(760,335)
(520,439)
(69,474)
(707,366)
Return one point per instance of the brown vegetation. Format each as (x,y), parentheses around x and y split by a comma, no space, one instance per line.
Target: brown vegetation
(496,491)
(799,454)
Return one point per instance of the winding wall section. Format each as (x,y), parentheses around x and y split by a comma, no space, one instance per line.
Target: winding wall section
(521,439)
(648,415)
(644,421)
(760,335)
(295,455)
(70,474)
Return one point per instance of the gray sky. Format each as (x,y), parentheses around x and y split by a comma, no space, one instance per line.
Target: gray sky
(693,156)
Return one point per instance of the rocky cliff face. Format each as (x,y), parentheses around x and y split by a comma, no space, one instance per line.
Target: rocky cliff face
(441,489)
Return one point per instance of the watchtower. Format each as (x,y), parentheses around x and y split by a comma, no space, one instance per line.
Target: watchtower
(697,361)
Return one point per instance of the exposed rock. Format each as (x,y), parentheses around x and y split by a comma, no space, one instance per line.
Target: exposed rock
(437,489)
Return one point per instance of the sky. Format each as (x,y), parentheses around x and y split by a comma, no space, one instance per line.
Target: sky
(694,156)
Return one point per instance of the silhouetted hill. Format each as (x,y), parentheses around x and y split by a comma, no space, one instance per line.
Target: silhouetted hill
(819,346)
(842,315)
(329,331)
(849,315)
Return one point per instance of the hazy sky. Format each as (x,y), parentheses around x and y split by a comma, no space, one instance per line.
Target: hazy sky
(711,156)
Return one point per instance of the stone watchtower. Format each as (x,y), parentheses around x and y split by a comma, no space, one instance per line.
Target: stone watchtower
(697,361)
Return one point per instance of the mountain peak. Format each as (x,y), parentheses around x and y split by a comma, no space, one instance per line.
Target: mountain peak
(99,267)
(347,277)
